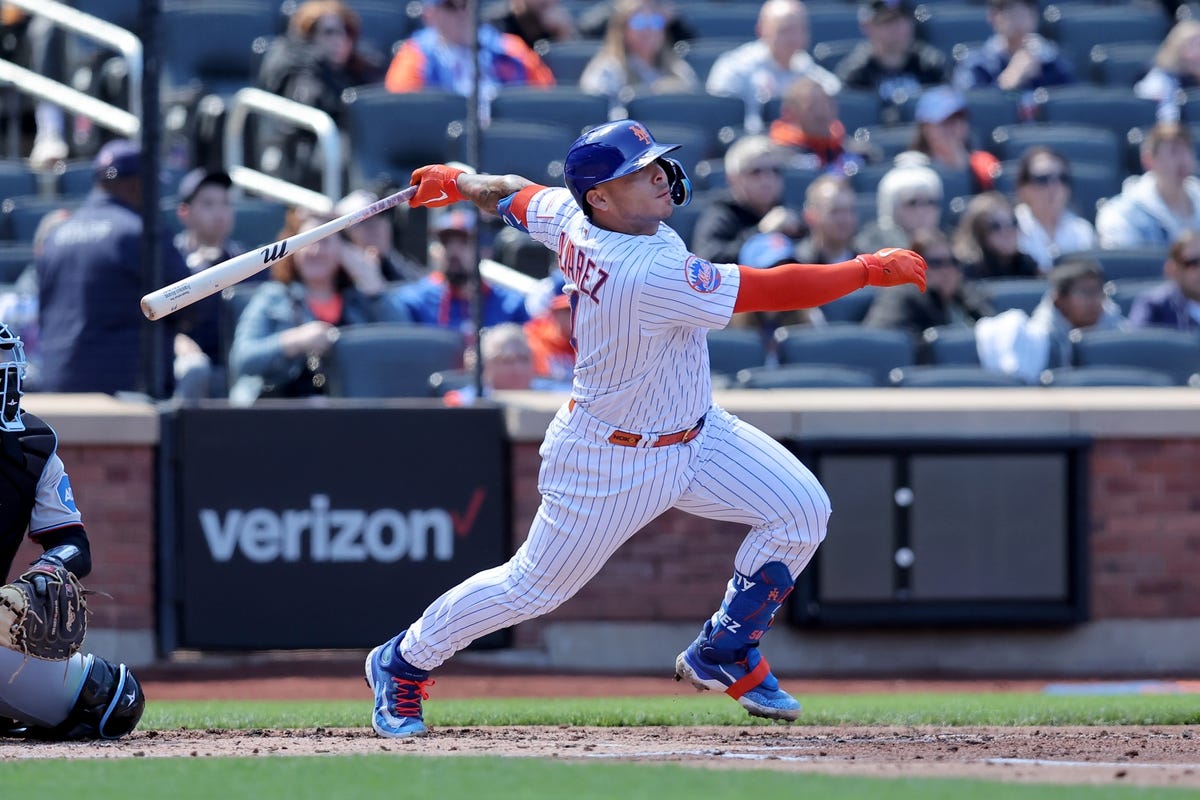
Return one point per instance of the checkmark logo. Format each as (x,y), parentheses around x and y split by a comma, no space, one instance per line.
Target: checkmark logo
(466,520)
(440,197)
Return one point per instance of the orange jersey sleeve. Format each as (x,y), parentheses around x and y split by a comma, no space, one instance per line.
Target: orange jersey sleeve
(792,286)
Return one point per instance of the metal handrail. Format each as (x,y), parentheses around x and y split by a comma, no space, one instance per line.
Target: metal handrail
(329,142)
(126,123)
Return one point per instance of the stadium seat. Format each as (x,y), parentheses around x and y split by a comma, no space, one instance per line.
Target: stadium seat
(531,150)
(75,178)
(683,221)
(1114,108)
(1021,293)
(210,47)
(1121,63)
(711,20)
(17,179)
(795,183)
(567,60)
(988,109)
(1064,377)
(1075,142)
(1078,28)
(701,54)
(888,141)
(1125,291)
(858,108)
(878,350)
(805,376)
(949,345)
(557,105)
(733,349)
(1175,352)
(722,117)
(392,134)
(517,249)
(449,380)
(257,221)
(945,26)
(14,259)
(952,375)
(695,143)
(384,24)
(850,307)
(1139,263)
(831,21)
(708,174)
(234,300)
(22,214)
(829,53)
(384,359)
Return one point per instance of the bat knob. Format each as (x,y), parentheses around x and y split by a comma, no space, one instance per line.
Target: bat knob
(147,310)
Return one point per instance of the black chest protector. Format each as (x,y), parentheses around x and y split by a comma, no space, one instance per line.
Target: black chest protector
(23,457)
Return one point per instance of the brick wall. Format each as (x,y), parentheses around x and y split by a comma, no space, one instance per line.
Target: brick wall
(1145,544)
(114,489)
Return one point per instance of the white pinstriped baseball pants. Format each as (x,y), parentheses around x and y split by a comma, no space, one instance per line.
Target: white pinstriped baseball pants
(595,495)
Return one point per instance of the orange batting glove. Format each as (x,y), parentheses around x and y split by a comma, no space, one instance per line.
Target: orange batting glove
(438,186)
(894,266)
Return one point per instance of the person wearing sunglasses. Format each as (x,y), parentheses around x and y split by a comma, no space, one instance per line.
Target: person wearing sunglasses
(986,242)
(752,203)
(908,200)
(949,299)
(314,63)
(1157,206)
(1048,227)
(1175,303)
(636,57)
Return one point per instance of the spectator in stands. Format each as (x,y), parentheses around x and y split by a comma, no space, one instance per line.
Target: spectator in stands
(808,129)
(1176,302)
(91,281)
(636,57)
(549,337)
(891,61)
(832,221)
(1176,68)
(443,298)
(593,20)
(764,251)
(205,210)
(944,135)
(763,69)
(1025,345)
(908,200)
(985,240)
(1048,229)
(19,302)
(1153,209)
(293,318)
(374,238)
(752,203)
(314,63)
(508,365)
(534,21)
(36,43)
(439,56)
(1015,58)
(947,300)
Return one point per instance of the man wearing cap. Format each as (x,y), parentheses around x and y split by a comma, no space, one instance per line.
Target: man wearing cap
(205,210)
(1016,58)
(891,60)
(90,283)
(444,297)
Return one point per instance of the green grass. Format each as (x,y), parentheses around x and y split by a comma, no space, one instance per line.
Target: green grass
(383,776)
(701,709)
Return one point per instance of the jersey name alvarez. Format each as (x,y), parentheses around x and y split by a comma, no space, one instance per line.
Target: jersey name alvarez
(579,269)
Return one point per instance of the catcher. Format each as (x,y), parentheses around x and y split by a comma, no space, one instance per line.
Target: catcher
(48,689)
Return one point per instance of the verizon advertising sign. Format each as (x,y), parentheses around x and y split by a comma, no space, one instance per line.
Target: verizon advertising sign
(325,527)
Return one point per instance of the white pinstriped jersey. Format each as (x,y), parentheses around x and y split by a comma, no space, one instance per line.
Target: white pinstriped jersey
(642,306)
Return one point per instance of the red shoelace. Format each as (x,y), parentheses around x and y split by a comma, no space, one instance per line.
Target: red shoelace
(409,695)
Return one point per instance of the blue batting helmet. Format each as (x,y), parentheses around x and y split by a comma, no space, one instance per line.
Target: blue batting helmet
(616,149)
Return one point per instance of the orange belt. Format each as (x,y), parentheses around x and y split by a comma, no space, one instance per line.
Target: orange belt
(632,439)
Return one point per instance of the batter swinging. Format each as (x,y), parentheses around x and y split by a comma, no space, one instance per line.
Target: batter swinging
(641,433)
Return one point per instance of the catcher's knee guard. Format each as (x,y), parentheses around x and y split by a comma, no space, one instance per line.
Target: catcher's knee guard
(109,705)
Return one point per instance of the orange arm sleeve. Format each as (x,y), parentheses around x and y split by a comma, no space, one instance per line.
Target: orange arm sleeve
(405,73)
(792,286)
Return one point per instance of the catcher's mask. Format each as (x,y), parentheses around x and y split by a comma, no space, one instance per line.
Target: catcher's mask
(616,149)
(12,372)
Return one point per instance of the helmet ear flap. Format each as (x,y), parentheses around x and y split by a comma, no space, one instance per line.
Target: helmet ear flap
(678,181)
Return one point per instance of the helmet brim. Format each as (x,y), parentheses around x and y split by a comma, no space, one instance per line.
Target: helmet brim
(645,159)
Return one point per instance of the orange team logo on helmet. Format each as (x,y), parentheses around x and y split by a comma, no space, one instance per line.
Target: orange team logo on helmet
(641,133)
(701,275)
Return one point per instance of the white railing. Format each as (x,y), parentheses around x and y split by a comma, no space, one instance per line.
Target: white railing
(129,47)
(329,143)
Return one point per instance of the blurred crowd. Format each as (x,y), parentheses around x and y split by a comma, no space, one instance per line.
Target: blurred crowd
(1042,163)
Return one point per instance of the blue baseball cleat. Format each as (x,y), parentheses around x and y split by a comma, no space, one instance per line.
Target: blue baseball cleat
(747,679)
(399,689)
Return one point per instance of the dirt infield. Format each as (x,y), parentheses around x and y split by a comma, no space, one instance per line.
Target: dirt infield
(1159,756)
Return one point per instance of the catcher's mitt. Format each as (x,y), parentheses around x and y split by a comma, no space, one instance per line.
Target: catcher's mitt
(43,613)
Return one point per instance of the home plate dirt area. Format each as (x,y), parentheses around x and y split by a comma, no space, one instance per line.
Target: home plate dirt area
(1146,756)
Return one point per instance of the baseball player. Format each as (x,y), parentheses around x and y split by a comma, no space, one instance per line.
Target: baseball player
(84,696)
(641,433)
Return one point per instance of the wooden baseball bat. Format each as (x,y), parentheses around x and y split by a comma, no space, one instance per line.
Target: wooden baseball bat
(183,293)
